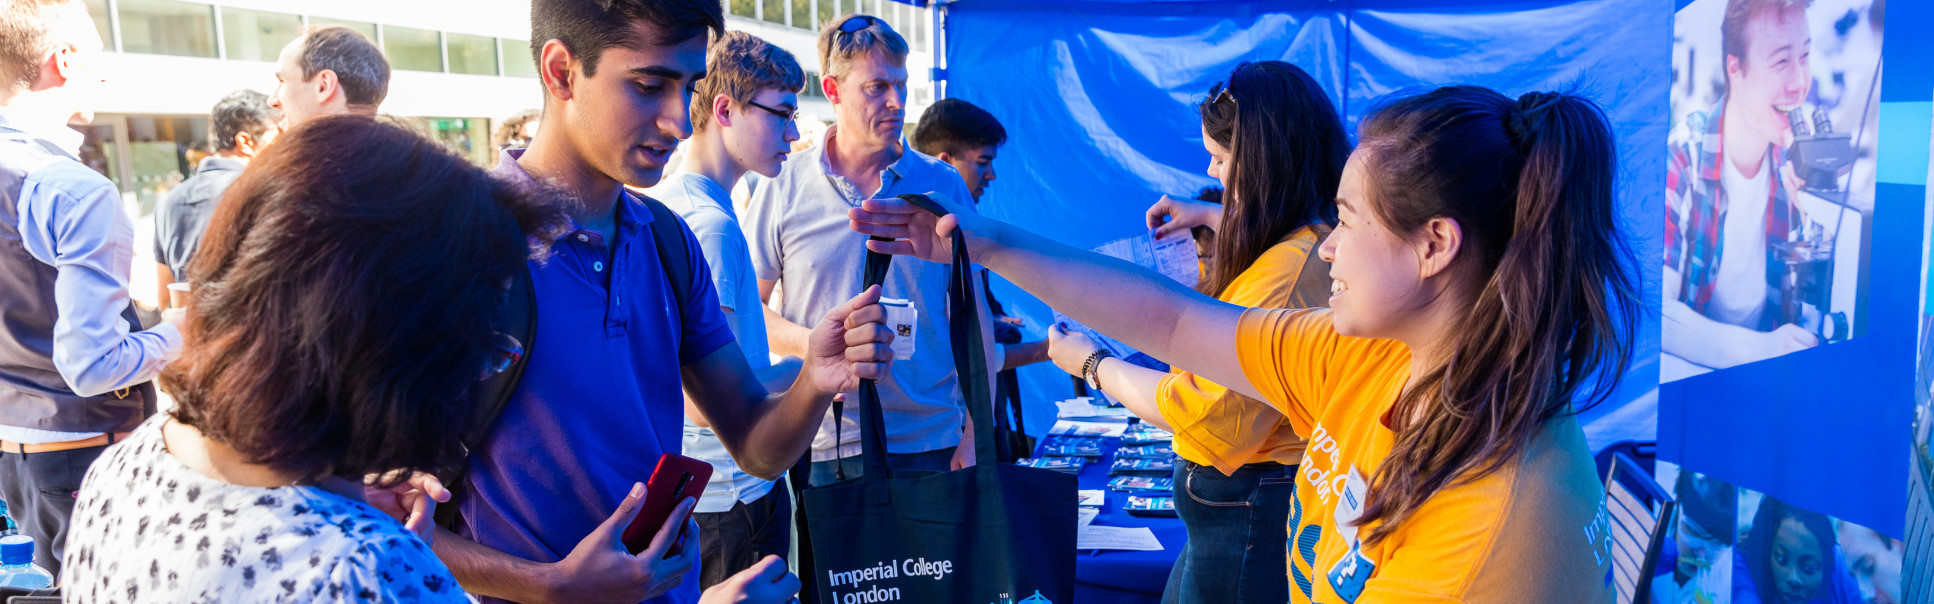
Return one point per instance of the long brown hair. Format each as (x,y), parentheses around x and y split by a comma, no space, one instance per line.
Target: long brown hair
(1530,183)
(1286,154)
(345,301)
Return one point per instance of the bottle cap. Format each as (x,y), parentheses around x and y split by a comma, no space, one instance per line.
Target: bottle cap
(17,549)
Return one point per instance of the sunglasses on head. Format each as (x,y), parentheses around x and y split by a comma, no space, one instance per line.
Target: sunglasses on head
(857,22)
(1222,92)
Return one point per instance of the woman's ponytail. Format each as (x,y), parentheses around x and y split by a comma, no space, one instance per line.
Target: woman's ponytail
(1531,184)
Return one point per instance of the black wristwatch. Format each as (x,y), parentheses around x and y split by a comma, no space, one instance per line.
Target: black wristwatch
(1091,368)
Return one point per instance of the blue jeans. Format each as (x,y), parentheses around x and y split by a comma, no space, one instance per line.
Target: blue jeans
(1237,546)
(937,460)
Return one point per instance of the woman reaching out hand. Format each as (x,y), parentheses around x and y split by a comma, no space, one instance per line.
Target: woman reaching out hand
(1480,289)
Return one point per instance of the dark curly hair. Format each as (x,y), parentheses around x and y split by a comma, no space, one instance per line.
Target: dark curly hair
(347,298)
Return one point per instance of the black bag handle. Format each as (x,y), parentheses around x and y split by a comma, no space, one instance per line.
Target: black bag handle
(970,357)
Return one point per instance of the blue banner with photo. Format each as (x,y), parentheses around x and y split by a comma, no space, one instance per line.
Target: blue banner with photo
(1791,269)
(1098,98)
(1772,184)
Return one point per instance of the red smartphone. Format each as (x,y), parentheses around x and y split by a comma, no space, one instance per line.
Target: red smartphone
(675,478)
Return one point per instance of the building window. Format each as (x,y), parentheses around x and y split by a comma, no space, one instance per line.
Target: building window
(98,10)
(368,29)
(812,89)
(413,49)
(919,24)
(98,150)
(253,35)
(518,61)
(801,15)
(469,137)
(828,10)
(774,11)
(167,27)
(475,55)
(162,149)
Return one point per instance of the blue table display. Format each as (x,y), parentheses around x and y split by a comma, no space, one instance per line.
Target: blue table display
(1126,577)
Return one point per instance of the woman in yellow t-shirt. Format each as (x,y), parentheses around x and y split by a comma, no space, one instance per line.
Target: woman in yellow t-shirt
(1277,147)
(1480,287)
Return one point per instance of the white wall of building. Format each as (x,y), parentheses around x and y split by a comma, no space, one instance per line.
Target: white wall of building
(167,85)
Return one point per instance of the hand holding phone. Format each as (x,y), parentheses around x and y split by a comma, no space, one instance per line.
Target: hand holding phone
(676,478)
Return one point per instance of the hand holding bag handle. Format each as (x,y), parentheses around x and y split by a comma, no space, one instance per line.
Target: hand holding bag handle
(970,355)
(963,537)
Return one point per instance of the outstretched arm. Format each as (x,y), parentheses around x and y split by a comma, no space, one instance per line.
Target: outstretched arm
(1142,309)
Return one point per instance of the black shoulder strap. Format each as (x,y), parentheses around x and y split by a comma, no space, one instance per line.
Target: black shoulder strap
(521,323)
(672,251)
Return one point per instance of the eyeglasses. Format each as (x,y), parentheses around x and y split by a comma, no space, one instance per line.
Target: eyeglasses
(505,351)
(858,22)
(789,116)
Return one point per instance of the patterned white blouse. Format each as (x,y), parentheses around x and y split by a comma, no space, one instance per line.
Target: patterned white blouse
(147,528)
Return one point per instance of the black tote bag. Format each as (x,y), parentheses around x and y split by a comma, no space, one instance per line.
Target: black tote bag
(972,536)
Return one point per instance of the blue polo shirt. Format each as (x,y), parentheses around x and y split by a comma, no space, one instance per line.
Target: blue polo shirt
(601,396)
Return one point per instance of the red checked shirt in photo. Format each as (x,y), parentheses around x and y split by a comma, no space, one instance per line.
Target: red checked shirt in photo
(1695,210)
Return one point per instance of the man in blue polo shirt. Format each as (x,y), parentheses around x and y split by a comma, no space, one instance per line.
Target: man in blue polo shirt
(600,397)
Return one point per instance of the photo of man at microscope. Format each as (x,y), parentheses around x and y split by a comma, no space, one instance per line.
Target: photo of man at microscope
(1770,179)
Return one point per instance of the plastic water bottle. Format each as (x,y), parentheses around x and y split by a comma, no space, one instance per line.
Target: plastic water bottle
(17,568)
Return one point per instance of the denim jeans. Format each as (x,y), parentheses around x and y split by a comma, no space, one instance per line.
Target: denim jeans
(1237,551)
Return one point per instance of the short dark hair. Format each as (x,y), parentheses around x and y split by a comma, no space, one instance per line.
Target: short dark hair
(358,64)
(589,27)
(954,126)
(345,301)
(241,111)
(25,38)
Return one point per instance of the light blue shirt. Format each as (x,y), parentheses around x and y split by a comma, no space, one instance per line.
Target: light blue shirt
(71,219)
(801,238)
(707,208)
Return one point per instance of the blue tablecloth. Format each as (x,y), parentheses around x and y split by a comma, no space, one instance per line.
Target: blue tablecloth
(1113,577)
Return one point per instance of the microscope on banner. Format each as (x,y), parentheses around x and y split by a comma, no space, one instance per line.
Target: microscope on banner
(1820,158)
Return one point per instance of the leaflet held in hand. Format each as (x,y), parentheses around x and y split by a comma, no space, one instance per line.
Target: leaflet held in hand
(1173,257)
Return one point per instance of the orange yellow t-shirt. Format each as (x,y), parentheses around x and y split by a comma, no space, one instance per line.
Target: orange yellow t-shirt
(1533,531)
(1217,426)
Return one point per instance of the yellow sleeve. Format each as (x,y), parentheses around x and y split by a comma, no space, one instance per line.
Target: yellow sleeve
(1287,354)
(1214,425)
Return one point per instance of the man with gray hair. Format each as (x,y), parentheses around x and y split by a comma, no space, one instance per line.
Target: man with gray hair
(801,242)
(329,70)
(74,367)
(244,125)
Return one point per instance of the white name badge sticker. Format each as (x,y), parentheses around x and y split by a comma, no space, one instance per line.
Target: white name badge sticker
(904,321)
(1350,501)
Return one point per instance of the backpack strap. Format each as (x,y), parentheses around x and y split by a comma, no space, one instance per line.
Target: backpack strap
(520,322)
(667,234)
